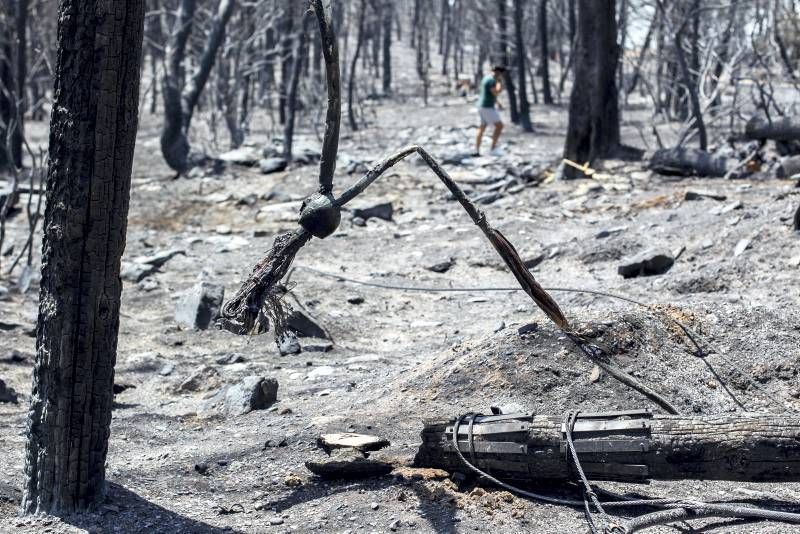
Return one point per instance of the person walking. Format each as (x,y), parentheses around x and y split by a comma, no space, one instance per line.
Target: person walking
(491,86)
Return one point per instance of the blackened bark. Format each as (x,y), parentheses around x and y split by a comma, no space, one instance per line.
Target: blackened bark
(291,97)
(6,95)
(20,74)
(593,130)
(524,107)
(386,62)
(351,114)
(502,24)
(544,43)
(174,143)
(287,29)
(196,84)
(180,101)
(93,131)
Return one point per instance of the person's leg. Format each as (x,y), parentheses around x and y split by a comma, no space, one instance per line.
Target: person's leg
(498,129)
(479,137)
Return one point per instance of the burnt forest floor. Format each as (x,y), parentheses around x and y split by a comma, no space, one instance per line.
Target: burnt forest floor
(399,357)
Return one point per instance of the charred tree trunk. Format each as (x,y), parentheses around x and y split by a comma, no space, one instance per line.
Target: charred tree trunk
(286,58)
(291,97)
(689,79)
(20,75)
(632,447)
(351,85)
(593,130)
(93,131)
(544,43)
(386,62)
(524,107)
(174,143)
(181,101)
(502,57)
(6,92)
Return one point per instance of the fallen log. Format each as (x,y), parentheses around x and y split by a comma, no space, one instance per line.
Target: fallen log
(760,128)
(683,161)
(624,446)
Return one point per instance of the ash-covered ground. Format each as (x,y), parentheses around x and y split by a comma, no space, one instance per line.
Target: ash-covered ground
(177,463)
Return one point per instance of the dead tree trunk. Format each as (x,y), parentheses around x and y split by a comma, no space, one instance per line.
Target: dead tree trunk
(524,107)
(6,93)
(20,75)
(623,446)
(93,131)
(351,112)
(502,57)
(544,43)
(593,130)
(386,63)
(180,101)
(291,97)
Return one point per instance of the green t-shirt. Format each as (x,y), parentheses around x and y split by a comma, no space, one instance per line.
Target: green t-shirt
(488,98)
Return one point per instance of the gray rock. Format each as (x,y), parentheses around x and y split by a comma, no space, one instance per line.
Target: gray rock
(252,393)
(348,464)
(358,221)
(288,344)
(7,394)
(136,272)
(648,263)
(204,378)
(384,210)
(349,440)
(271,165)
(229,359)
(441,267)
(456,158)
(317,347)
(608,232)
(167,369)
(245,156)
(304,326)
(158,259)
(700,195)
(200,306)
(306,155)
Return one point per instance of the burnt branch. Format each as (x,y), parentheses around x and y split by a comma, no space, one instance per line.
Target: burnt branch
(333,117)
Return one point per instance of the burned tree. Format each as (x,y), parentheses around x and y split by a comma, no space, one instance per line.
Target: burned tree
(593,130)
(544,48)
(503,59)
(387,12)
(524,106)
(181,99)
(93,131)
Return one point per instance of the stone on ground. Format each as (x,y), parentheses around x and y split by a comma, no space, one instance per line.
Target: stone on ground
(362,442)
(648,263)
(348,464)
(304,326)
(245,156)
(200,306)
(271,165)
(252,393)
(383,210)
(7,394)
(204,378)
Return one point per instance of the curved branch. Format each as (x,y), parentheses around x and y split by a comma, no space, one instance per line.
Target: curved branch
(333,117)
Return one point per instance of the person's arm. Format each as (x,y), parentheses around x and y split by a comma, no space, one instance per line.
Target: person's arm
(498,88)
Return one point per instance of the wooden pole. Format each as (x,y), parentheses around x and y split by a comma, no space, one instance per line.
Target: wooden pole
(635,445)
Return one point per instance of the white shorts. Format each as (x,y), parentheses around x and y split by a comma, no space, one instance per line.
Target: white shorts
(489,116)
